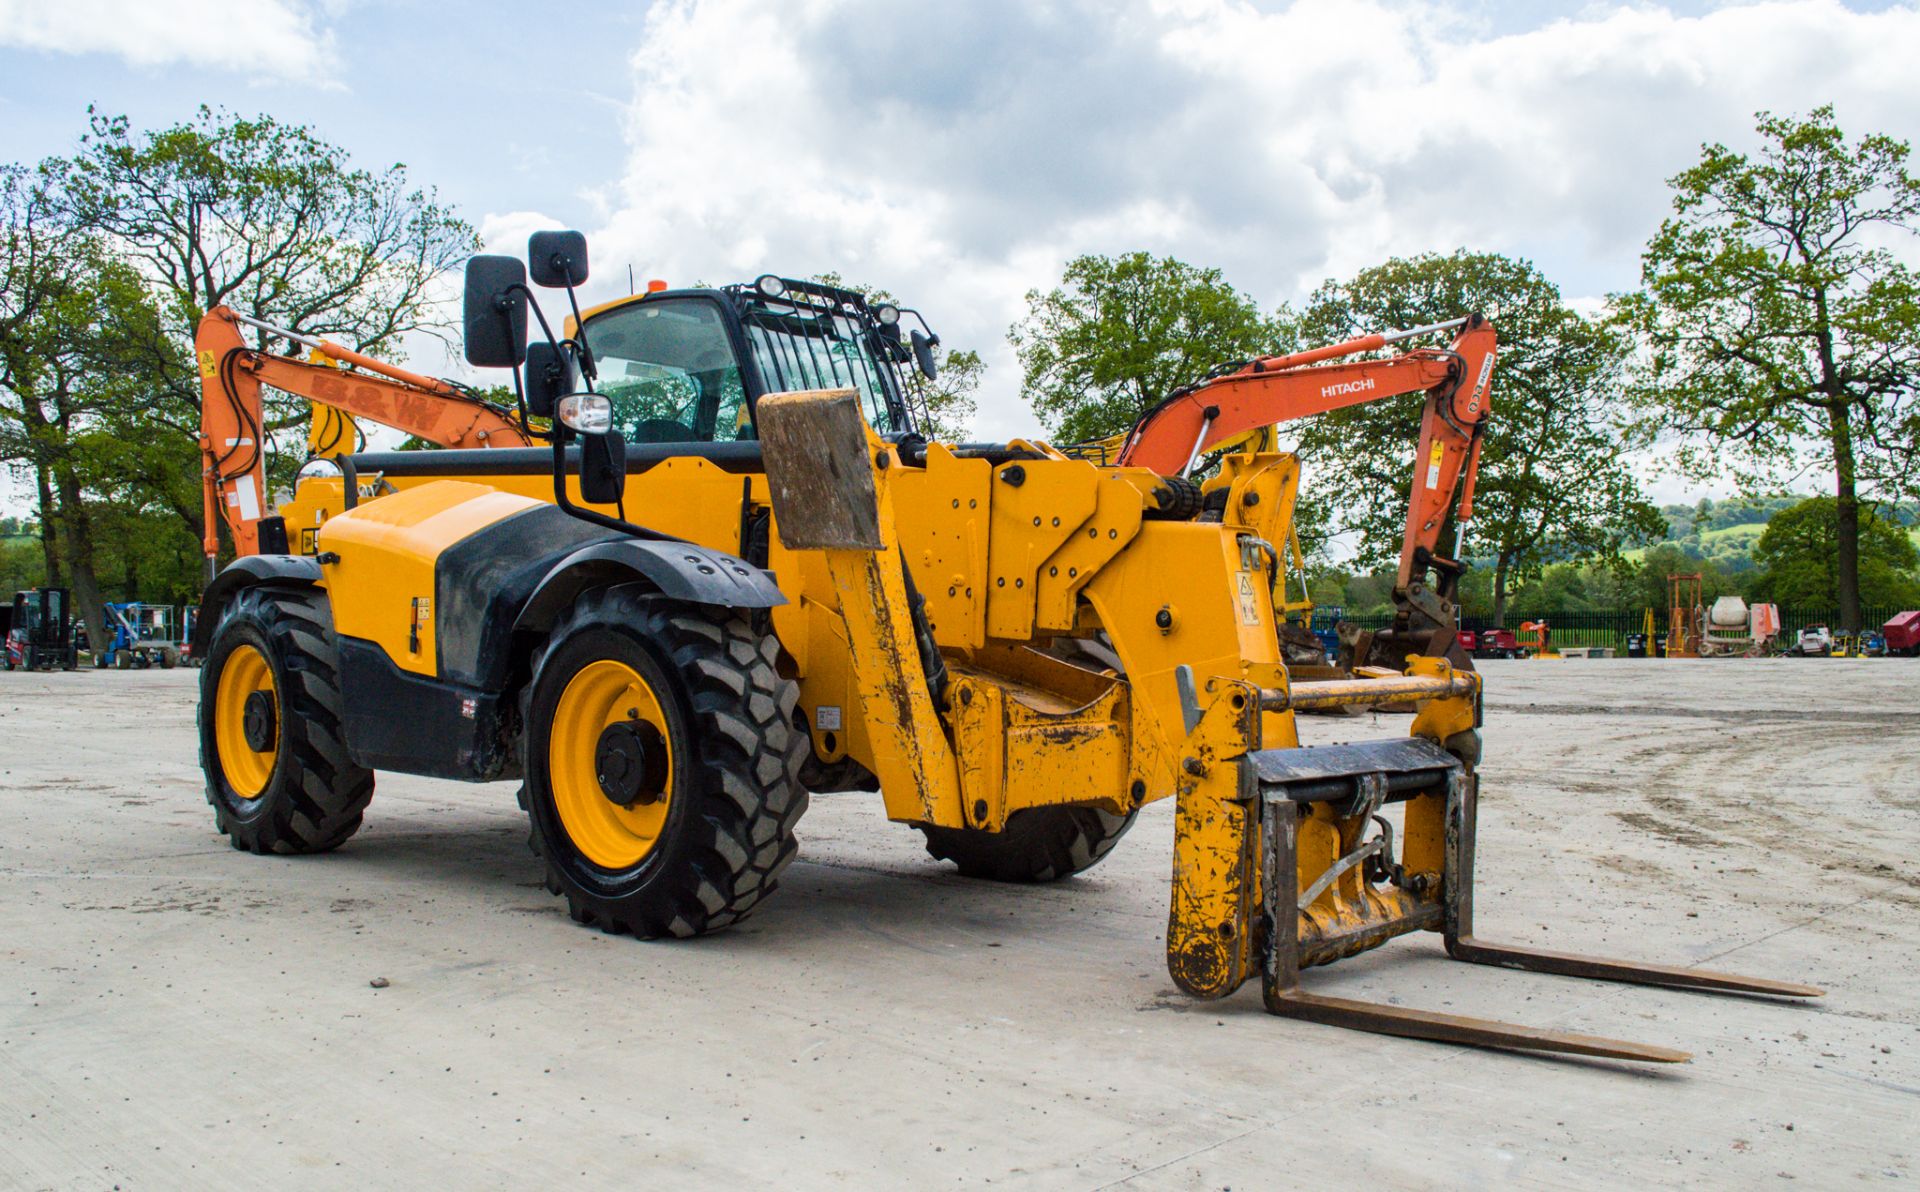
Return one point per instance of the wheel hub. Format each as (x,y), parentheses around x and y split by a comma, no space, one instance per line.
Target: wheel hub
(630,762)
(257,722)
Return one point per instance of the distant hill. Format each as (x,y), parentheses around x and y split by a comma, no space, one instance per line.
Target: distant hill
(1725,532)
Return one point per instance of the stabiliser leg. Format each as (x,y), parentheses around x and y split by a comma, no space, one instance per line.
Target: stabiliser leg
(1446,905)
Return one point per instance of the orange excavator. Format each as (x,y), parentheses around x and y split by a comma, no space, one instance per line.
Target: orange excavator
(342,384)
(1242,400)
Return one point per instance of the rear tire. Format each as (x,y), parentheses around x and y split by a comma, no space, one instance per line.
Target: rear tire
(1039,844)
(289,787)
(731,793)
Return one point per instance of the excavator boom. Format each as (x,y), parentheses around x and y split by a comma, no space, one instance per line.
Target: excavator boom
(1222,409)
(233,427)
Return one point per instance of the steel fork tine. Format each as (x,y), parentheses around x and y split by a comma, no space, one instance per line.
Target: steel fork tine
(1572,964)
(1461,944)
(1455,1028)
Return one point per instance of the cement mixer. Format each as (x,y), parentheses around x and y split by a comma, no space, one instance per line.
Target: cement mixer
(1732,628)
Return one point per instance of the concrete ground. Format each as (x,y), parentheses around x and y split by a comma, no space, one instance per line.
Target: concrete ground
(177,1014)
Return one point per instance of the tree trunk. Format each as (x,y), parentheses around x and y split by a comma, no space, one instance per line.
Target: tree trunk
(49,546)
(1500,568)
(76,533)
(1847,520)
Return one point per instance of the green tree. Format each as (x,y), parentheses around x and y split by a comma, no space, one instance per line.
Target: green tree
(21,566)
(1647,585)
(69,313)
(1782,333)
(949,401)
(1798,556)
(1121,333)
(1554,480)
(272,220)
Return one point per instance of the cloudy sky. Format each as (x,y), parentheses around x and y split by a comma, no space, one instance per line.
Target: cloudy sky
(959,153)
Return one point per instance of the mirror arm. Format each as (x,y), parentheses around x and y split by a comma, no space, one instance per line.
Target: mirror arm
(527,428)
(588,367)
(922,319)
(597,518)
(533,304)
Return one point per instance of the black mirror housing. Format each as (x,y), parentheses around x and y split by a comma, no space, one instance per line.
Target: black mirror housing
(923,346)
(548,378)
(603,468)
(887,342)
(495,313)
(557,259)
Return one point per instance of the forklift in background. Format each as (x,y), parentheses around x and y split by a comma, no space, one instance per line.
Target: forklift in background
(39,631)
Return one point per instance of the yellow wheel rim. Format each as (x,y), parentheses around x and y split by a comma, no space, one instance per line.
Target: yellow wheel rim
(247,769)
(601,695)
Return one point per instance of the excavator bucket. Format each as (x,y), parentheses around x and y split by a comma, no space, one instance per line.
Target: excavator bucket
(1333,886)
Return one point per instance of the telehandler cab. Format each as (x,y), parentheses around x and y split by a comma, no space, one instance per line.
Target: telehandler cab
(718,586)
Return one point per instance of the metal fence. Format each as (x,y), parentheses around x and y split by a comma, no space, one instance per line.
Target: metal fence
(1610,628)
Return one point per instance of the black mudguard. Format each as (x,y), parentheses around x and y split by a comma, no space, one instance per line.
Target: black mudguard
(296,571)
(518,575)
(681,570)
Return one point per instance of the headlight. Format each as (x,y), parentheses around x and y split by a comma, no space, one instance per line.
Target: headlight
(588,413)
(770,285)
(887,313)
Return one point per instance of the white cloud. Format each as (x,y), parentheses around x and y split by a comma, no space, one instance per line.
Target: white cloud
(273,39)
(958,155)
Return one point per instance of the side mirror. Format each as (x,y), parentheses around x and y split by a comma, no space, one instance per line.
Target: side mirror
(923,346)
(495,322)
(603,468)
(547,378)
(557,259)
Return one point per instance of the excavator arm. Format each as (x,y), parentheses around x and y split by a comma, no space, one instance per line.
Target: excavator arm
(1276,389)
(232,422)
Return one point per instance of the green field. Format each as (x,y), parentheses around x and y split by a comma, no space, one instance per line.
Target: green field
(1737,540)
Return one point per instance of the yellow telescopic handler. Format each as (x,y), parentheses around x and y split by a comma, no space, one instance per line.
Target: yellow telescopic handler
(733,575)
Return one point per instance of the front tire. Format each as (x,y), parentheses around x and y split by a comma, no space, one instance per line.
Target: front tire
(271,745)
(1039,844)
(662,766)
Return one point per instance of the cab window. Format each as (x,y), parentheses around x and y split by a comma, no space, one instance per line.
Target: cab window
(799,347)
(668,367)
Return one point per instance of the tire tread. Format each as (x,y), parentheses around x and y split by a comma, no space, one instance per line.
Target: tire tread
(741,736)
(1039,844)
(323,795)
